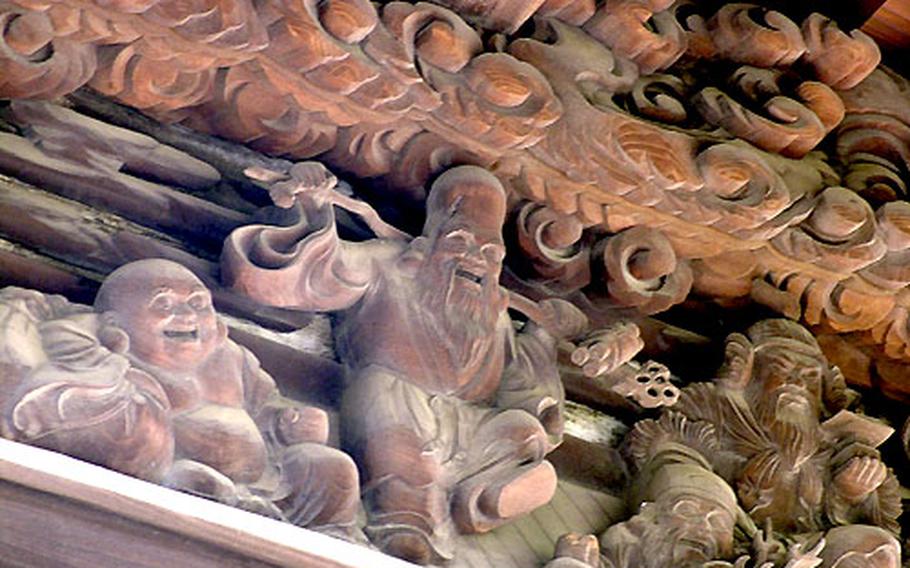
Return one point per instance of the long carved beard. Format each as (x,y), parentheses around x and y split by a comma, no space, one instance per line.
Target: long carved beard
(461,321)
(795,433)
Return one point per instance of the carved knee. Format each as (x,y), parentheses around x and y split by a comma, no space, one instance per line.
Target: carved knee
(325,486)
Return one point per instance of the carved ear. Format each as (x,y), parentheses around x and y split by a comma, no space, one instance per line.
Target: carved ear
(261,174)
(739,354)
(112,336)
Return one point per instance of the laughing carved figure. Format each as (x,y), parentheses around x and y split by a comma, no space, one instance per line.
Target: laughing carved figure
(450,411)
(149,384)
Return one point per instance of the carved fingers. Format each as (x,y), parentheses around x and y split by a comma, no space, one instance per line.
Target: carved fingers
(798,558)
(857,470)
(304,178)
(859,477)
(606,349)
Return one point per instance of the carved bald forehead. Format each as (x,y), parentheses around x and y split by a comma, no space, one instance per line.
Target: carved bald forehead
(141,277)
(467,191)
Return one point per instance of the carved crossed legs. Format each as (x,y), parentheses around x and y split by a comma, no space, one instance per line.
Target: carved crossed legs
(428,460)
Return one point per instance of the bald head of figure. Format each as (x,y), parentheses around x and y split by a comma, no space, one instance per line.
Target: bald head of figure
(164,309)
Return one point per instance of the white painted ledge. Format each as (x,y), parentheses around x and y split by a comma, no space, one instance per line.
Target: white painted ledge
(245,533)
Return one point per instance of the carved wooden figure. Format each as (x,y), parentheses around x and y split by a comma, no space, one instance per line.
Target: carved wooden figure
(687,515)
(450,412)
(780,411)
(150,385)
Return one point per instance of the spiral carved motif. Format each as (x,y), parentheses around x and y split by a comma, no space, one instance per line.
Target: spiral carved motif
(644,272)
(37,62)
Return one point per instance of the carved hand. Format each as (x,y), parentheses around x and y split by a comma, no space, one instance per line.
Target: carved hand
(808,559)
(606,349)
(304,178)
(302,424)
(859,476)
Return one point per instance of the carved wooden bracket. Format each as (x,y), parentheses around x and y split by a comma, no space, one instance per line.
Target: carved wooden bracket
(403,90)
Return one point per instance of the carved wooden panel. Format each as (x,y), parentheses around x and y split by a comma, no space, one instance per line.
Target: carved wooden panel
(569,116)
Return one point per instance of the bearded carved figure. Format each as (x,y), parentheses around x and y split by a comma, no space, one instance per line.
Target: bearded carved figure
(449,411)
(780,413)
(686,515)
(149,384)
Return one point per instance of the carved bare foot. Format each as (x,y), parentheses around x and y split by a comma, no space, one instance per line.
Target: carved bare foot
(256,504)
(485,502)
(605,350)
(199,479)
(522,494)
(407,544)
(302,424)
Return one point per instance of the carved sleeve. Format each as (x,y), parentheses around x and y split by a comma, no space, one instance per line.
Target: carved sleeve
(304,266)
(531,380)
(88,402)
(282,421)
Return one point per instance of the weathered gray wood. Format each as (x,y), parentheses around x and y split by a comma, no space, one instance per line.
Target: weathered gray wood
(41,530)
(112,510)
(98,241)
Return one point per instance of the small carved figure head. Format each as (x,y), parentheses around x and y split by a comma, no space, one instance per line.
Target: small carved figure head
(789,373)
(462,245)
(860,546)
(691,509)
(165,311)
(687,513)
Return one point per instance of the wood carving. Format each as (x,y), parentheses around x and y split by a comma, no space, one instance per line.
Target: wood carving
(450,412)
(402,91)
(688,515)
(148,384)
(780,414)
(763,467)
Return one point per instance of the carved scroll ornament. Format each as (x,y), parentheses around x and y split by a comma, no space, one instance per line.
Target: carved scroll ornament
(148,384)
(405,90)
